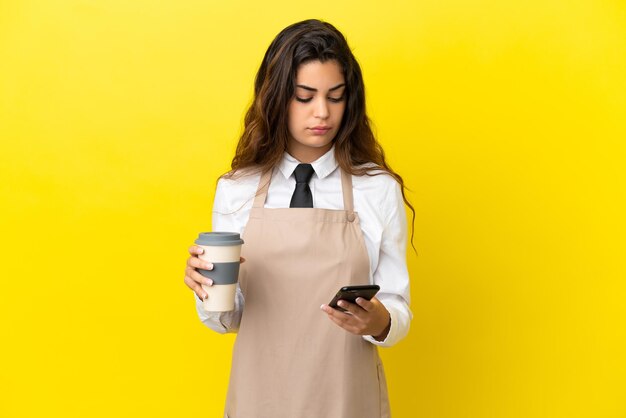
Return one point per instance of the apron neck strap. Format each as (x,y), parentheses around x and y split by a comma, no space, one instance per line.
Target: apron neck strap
(346,187)
(264,185)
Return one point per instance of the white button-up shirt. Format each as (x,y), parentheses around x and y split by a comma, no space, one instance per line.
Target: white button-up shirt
(377,200)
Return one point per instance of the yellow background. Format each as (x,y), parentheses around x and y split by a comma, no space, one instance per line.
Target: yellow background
(506,119)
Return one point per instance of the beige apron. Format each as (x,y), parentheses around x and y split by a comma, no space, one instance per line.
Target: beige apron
(289,359)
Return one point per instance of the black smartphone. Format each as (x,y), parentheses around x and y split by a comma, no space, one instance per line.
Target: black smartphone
(350,293)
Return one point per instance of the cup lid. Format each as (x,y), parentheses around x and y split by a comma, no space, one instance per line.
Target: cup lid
(219,239)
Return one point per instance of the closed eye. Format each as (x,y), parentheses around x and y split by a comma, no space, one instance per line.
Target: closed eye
(332,99)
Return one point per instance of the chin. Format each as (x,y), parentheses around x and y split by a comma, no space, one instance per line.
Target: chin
(312,142)
(319,142)
(322,140)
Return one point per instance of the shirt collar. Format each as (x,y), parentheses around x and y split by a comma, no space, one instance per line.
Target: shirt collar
(323,166)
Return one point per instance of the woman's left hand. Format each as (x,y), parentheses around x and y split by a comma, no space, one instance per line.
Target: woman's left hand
(363,318)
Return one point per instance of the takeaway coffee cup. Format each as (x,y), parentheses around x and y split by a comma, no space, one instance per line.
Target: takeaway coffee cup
(222,249)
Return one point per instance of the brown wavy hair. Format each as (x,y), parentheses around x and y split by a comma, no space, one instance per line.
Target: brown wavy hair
(265,136)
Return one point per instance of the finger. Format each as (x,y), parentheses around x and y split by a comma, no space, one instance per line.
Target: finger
(343,317)
(338,317)
(352,308)
(195,250)
(195,262)
(367,305)
(197,277)
(331,311)
(195,287)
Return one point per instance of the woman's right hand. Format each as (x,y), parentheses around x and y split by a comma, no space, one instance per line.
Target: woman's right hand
(193,279)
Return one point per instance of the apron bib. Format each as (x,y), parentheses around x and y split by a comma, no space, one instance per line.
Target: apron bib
(289,359)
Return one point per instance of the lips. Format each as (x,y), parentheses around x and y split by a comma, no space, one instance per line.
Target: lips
(320,129)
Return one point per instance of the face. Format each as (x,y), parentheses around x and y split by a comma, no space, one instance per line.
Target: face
(316,110)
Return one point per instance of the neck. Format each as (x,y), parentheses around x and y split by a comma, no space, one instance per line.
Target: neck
(306,154)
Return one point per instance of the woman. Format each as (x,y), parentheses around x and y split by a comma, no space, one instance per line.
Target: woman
(319,209)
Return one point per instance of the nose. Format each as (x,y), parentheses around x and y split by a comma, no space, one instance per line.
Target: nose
(321,109)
